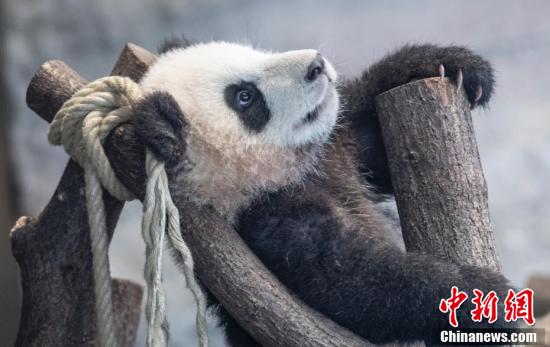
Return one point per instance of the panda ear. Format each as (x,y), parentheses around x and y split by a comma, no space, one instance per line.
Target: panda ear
(174,42)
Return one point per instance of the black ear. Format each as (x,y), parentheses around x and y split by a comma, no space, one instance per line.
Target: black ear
(174,42)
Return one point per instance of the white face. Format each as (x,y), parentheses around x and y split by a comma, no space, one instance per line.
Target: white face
(283,99)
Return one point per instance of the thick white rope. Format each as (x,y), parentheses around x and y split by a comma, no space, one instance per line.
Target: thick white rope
(81,126)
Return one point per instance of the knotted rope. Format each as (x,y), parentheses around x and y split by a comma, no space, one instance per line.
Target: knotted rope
(81,126)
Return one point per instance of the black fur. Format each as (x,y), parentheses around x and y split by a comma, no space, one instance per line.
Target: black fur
(161,126)
(174,42)
(235,335)
(257,115)
(363,283)
(352,274)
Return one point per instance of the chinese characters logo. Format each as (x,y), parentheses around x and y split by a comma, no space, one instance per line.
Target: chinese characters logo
(517,305)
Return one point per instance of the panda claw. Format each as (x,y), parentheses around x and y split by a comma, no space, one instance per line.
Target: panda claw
(479,94)
(459,78)
(441,71)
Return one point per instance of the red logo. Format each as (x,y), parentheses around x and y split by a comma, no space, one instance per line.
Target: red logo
(519,305)
(485,306)
(516,306)
(452,304)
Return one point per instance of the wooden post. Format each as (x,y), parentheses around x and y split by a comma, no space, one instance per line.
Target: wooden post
(439,185)
(53,251)
(224,263)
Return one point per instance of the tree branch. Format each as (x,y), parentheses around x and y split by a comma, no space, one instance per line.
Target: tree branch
(439,185)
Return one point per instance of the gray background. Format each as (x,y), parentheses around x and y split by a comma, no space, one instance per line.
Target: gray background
(514,134)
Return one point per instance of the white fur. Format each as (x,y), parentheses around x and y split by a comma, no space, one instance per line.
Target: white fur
(231,163)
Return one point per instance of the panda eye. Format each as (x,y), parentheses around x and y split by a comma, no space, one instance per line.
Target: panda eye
(244,98)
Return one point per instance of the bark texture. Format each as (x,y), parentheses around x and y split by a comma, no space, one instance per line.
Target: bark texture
(439,185)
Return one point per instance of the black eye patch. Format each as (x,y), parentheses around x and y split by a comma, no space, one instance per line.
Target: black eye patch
(255,115)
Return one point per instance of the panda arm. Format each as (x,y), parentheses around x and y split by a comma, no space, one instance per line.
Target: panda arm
(360,281)
(406,64)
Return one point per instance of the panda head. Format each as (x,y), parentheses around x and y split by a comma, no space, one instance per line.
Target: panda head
(231,92)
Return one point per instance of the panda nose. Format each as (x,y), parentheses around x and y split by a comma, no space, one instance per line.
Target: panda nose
(315,68)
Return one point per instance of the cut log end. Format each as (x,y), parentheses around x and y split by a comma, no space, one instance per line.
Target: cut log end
(53,83)
(19,234)
(22,222)
(133,55)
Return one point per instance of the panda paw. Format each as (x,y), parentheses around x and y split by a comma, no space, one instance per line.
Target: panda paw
(161,127)
(465,68)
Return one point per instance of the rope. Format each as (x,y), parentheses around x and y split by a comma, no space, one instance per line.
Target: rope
(81,126)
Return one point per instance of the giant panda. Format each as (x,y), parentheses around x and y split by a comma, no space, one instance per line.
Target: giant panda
(292,157)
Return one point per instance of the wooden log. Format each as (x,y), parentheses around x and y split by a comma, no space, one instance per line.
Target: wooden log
(133,62)
(52,85)
(54,251)
(439,185)
(59,288)
(226,265)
